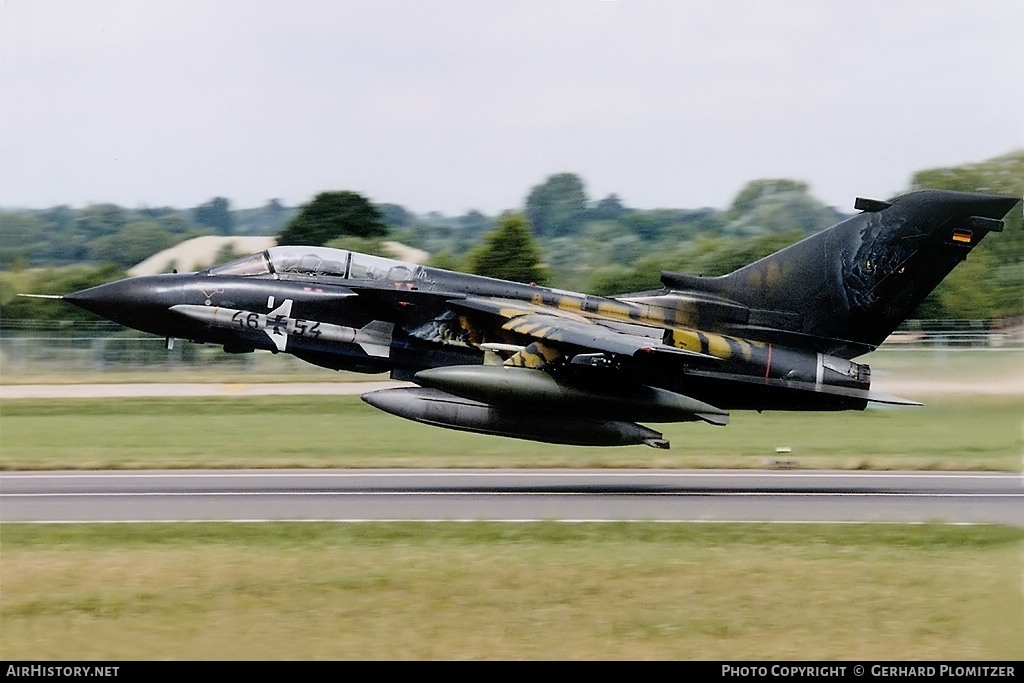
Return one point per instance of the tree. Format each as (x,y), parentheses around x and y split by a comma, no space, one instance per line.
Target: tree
(509,252)
(776,205)
(133,244)
(446,261)
(617,279)
(275,214)
(331,215)
(474,224)
(215,214)
(394,215)
(609,208)
(20,236)
(98,220)
(557,206)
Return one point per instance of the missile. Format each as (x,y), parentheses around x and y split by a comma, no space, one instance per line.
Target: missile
(441,409)
(374,338)
(536,390)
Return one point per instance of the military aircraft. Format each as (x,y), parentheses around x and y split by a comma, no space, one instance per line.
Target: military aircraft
(535,363)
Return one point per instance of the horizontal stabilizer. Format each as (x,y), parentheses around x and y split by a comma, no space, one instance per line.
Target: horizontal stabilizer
(808,387)
(880,397)
(983,223)
(870,205)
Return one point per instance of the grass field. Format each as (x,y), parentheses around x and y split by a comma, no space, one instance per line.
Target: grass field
(507,591)
(952,431)
(342,431)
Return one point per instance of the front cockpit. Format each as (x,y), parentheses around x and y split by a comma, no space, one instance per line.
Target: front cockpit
(319,262)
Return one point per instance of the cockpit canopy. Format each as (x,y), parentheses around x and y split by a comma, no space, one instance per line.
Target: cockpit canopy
(285,262)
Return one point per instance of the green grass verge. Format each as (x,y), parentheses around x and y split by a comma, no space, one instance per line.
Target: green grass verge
(510,591)
(341,431)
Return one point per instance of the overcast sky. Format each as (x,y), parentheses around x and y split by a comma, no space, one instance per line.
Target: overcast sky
(453,105)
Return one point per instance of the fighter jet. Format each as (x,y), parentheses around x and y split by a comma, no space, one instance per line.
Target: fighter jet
(529,362)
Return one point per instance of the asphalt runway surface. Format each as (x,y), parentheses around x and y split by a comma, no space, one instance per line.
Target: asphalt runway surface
(513,495)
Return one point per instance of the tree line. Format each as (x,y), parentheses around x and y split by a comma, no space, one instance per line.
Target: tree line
(559,236)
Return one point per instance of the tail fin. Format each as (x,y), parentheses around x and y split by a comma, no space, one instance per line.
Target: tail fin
(845,289)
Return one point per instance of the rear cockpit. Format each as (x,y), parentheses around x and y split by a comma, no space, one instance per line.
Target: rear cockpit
(320,262)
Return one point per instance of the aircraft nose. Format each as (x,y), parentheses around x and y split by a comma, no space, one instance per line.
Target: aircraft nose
(141,303)
(103,300)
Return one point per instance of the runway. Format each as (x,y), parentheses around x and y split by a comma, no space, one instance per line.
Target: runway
(512,495)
